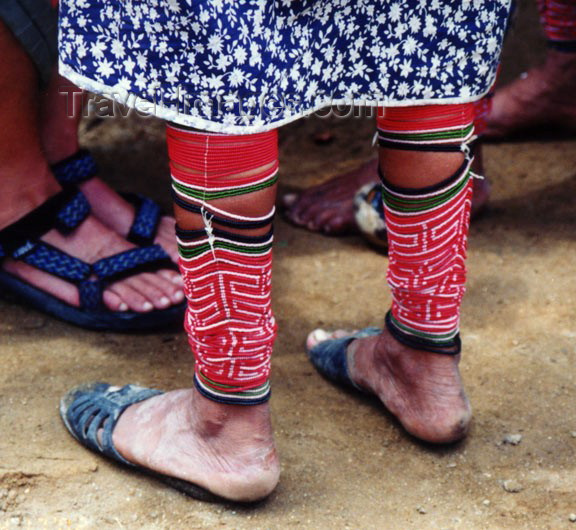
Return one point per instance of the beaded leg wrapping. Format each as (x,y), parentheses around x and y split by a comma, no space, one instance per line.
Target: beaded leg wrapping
(427,228)
(227,262)
(558,18)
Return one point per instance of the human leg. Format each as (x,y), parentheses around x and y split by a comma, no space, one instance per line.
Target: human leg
(542,98)
(27,182)
(332,206)
(60,112)
(218,434)
(413,364)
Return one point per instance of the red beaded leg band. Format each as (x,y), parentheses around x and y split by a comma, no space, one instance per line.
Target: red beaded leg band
(427,230)
(440,128)
(227,274)
(482,108)
(558,18)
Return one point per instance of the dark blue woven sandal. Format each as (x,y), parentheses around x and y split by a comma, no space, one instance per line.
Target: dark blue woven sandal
(65,212)
(330,359)
(88,408)
(81,167)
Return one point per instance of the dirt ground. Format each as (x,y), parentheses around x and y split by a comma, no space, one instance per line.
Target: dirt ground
(346,463)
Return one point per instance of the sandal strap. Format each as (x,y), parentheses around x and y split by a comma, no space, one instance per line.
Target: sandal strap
(100,409)
(73,214)
(133,261)
(54,261)
(75,169)
(64,211)
(119,266)
(146,219)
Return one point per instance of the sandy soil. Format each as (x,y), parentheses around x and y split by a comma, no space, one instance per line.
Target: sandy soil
(346,463)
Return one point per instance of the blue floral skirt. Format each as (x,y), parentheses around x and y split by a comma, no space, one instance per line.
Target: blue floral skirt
(246,66)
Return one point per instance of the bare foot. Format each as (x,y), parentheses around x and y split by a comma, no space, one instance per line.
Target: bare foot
(226,449)
(543,98)
(329,207)
(90,242)
(423,390)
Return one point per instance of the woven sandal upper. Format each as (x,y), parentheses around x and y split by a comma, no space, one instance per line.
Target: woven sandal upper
(65,212)
(81,167)
(98,407)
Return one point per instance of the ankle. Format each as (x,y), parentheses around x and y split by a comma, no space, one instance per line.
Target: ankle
(561,60)
(212,419)
(21,196)
(372,357)
(59,144)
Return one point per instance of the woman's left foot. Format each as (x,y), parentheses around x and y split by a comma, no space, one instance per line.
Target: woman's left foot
(423,390)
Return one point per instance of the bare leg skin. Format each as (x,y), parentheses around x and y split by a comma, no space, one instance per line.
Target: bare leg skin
(329,207)
(540,101)
(227,449)
(27,182)
(59,135)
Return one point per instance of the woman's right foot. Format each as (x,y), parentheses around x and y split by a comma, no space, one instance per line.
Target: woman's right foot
(226,449)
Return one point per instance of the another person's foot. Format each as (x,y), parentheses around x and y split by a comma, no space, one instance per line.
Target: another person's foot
(226,449)
(59,136)
(423,390)
(117,213)
(540,101)
(90,242)
(329,207)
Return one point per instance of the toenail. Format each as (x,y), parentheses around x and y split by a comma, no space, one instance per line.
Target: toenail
(178,296)
(147,306)
(178,280)
(164,301)
(289,199)
(123,307)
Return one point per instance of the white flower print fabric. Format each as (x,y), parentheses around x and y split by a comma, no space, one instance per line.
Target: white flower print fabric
(242,66)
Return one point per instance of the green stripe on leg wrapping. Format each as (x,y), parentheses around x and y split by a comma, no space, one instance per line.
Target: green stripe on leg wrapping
(187,252)
(420,204)
(207,195)
(424,137)
(225,392)
(439,339)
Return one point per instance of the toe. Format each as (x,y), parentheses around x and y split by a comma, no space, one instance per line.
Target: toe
(113,301)
(131,297)
(288,199)
(157,290)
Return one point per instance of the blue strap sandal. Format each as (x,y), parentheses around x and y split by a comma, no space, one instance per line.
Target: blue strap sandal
(81,167)
(65,212)
(87,409)
(329,357)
